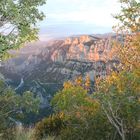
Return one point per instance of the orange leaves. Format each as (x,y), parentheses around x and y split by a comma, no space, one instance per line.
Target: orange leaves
(67,85)
(79,81)
(87,82)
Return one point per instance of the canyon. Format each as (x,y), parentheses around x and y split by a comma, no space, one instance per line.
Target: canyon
(43,67)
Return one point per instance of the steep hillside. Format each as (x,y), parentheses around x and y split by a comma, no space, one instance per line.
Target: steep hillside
(42,67)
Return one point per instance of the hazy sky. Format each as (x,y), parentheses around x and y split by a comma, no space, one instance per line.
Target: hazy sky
(71,17)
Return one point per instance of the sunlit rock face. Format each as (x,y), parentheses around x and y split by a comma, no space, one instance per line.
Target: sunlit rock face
(51,63)
(84,48)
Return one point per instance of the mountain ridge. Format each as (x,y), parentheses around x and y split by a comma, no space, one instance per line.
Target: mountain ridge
(52,63)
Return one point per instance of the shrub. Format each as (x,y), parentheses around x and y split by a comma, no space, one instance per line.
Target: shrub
(51,126)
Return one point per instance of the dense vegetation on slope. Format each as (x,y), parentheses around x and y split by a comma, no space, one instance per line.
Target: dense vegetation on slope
(13,107)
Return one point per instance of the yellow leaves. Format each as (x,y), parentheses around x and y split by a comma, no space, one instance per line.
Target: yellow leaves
(79,81)
(87,82)
(73,100)
(67,85)
(129,52)
(61,115)
(123,82)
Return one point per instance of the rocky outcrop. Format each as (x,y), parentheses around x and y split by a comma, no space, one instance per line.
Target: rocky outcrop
(43,67)
(84,48)
(59,60)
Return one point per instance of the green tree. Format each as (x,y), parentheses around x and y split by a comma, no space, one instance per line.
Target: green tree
(13,105)
(83,117)
(18,20)
(129,51)
(130,15)
(70,97)
(51,126)
(118,94)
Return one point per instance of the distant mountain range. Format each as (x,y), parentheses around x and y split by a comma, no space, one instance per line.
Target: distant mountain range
(42,67)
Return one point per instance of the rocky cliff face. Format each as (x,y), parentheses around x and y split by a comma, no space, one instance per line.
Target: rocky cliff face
(52,63)
(84,48)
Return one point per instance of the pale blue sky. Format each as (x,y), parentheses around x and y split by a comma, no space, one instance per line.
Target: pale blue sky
(72,17)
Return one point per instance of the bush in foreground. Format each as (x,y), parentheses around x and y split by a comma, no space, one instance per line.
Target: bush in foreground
(51,126)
